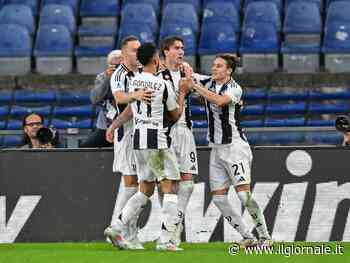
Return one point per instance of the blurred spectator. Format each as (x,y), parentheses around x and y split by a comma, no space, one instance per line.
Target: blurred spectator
(36,135)
(346,139)
(342,124)
(101,95)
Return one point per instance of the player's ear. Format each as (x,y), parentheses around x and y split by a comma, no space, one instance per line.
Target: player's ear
(166,52)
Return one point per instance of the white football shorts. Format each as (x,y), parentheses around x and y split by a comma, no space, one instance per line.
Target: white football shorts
(156,165)
(124,161)
(182,141)
(230,165)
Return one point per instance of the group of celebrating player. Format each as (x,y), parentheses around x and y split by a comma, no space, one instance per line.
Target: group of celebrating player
(154,144)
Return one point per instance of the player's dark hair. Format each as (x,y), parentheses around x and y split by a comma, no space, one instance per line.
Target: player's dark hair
(25,138)
(146,52)
(168,42)
(232,61)
(128,39)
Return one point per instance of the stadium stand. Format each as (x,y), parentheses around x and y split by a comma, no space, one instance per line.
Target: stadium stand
(99,18)
(74,4)
(302,30)
(277,3)
(252,28)
(142,31)
(215,38)
(260,46)
(319,3)
(100,31)
(236,3)
(262,12)
(53,50)
(222,12)
(303,23)
(15,50)
(154,3)
(58,15)
(33,4)
(139,14)
(336,47)
(19,15)
(264,108)
(182,15)
(195,3)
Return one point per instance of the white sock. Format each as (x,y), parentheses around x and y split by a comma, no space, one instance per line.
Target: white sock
(255,212)
(160,195)
(133,207)
(221,201)
(123,197)
(169,217)
(183,195)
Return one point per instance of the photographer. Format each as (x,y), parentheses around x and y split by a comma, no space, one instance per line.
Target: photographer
(342,124)
(35,135)
(101,95)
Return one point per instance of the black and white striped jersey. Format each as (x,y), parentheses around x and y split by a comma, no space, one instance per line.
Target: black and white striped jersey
(224,122)
(119,82)
(174,78)
(151,122)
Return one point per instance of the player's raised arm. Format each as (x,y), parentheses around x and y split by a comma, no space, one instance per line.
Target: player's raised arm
(144,95)
(175,111)
(220,100)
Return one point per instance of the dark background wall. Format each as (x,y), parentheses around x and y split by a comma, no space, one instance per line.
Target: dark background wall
(305,189)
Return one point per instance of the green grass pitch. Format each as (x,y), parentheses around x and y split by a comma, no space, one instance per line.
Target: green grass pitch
(194,253)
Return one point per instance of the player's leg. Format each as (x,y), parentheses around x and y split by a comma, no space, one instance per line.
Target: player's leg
(134,206)
(239,167)
(169,179)
(119,232)
(186,154)
(219,184)
(248,201)
(169,211)
(129,189)
(124,163)
(137,202)
(185,189)
(187,158)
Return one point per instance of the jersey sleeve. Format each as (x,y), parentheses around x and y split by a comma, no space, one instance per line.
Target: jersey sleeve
(171,98)
(117,84)
(234,91)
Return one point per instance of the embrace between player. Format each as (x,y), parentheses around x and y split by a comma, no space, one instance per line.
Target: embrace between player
(160,147)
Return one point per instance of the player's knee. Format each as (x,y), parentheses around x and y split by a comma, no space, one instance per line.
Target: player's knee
(169,186)
(219,192)
(147,188)
(130,181)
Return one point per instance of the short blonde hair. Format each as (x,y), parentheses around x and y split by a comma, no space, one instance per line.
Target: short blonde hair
(113,54)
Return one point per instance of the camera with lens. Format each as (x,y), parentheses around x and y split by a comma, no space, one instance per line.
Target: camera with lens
(342,124)
(47,136)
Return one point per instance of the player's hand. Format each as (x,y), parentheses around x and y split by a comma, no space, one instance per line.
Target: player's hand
(110,134)
(109,71)
(186,85)
(144,95)
(187,69)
